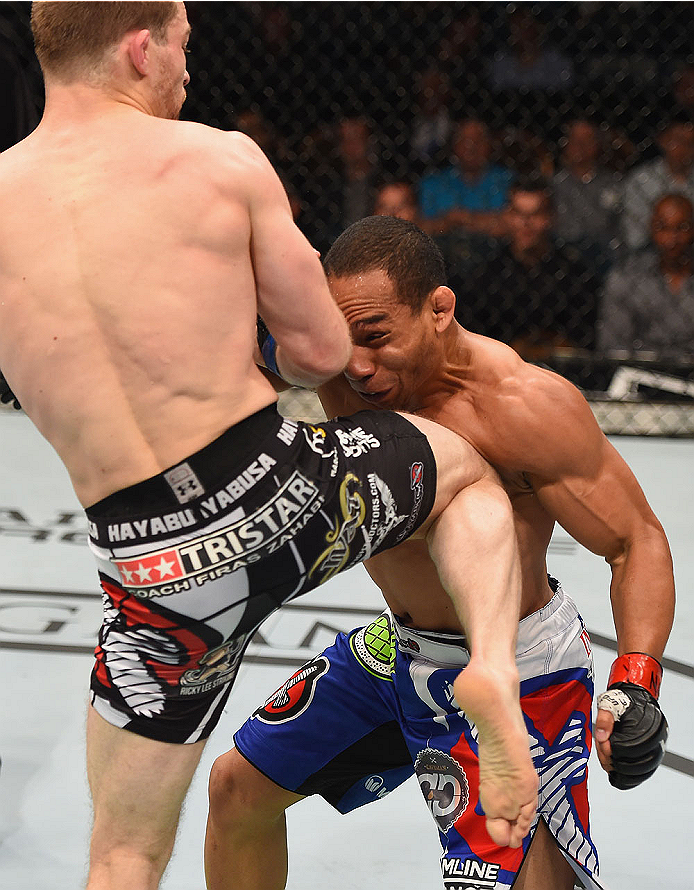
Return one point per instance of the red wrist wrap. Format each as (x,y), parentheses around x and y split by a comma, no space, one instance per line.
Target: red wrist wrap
(639,668)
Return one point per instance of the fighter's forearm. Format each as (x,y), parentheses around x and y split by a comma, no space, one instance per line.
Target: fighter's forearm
(643,594)
(308,368)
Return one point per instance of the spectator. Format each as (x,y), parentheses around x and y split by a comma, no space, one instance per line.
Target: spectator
(275,25)
(673,172)
(529,62)
(533,293)
(342,164)
(586,194)
(525,153)
(397,199)
(619,152)
(432,124)
(295,203)
(463,52)
(358,167)
(470,193)
(648,303)
(683,87)
(254,124)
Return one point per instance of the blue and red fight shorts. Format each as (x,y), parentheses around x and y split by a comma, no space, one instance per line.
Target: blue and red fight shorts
(192,560)
(377,707)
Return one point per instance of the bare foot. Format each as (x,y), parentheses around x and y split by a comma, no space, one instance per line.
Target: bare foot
(508,781)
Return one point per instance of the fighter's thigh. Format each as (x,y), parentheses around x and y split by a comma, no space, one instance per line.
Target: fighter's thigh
(457,464)
(160,670)
(544,866)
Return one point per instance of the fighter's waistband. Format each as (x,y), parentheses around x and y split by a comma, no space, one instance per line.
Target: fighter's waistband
(201,473)
(443,648)
(451,649)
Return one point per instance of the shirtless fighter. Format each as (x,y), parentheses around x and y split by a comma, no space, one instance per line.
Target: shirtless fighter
(135,253)
(375,707)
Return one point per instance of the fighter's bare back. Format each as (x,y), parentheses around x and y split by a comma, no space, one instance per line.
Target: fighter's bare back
(127,269)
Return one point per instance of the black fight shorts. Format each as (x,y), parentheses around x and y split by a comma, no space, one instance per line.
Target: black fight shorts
(193,560)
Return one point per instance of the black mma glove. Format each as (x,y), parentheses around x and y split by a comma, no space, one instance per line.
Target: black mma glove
(6,394)
(640,729)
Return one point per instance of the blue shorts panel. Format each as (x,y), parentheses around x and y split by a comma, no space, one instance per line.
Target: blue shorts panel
(333,728)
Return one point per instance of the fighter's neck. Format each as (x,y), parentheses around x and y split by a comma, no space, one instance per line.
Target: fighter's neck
(74,103)
(453,375)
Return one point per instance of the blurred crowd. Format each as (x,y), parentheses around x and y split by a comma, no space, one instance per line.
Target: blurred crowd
(567,238)
(548,148)
(548,247)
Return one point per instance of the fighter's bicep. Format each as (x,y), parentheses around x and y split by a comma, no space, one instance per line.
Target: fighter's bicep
(284,264)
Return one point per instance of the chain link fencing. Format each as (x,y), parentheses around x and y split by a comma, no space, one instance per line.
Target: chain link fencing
(534,141)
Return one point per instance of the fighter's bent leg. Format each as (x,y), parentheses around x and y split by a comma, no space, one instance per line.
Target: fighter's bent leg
(473,545)
(472,550)
(246,839)
(544,868)
(137,786)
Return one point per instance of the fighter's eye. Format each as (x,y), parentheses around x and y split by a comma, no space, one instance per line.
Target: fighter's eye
(375,336)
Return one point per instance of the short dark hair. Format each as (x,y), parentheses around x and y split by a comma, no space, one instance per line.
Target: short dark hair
(70,37)
(535,184)
(401,249)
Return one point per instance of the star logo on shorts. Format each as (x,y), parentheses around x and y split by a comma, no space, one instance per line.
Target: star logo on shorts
(127,575)
(165,568)
(144,573)
(151,570)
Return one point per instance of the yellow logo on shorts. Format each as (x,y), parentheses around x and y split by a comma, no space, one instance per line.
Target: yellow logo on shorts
(353,508)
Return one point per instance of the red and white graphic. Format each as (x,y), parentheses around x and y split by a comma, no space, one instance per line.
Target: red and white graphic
(149,571)
(292,699)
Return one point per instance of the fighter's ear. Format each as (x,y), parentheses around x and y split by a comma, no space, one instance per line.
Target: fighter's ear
(138,50)
(442,302)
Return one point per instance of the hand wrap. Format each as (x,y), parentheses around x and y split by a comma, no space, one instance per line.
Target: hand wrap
(640,730)
(6,395)
(268,346)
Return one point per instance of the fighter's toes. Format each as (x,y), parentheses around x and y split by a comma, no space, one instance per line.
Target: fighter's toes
(510,832)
